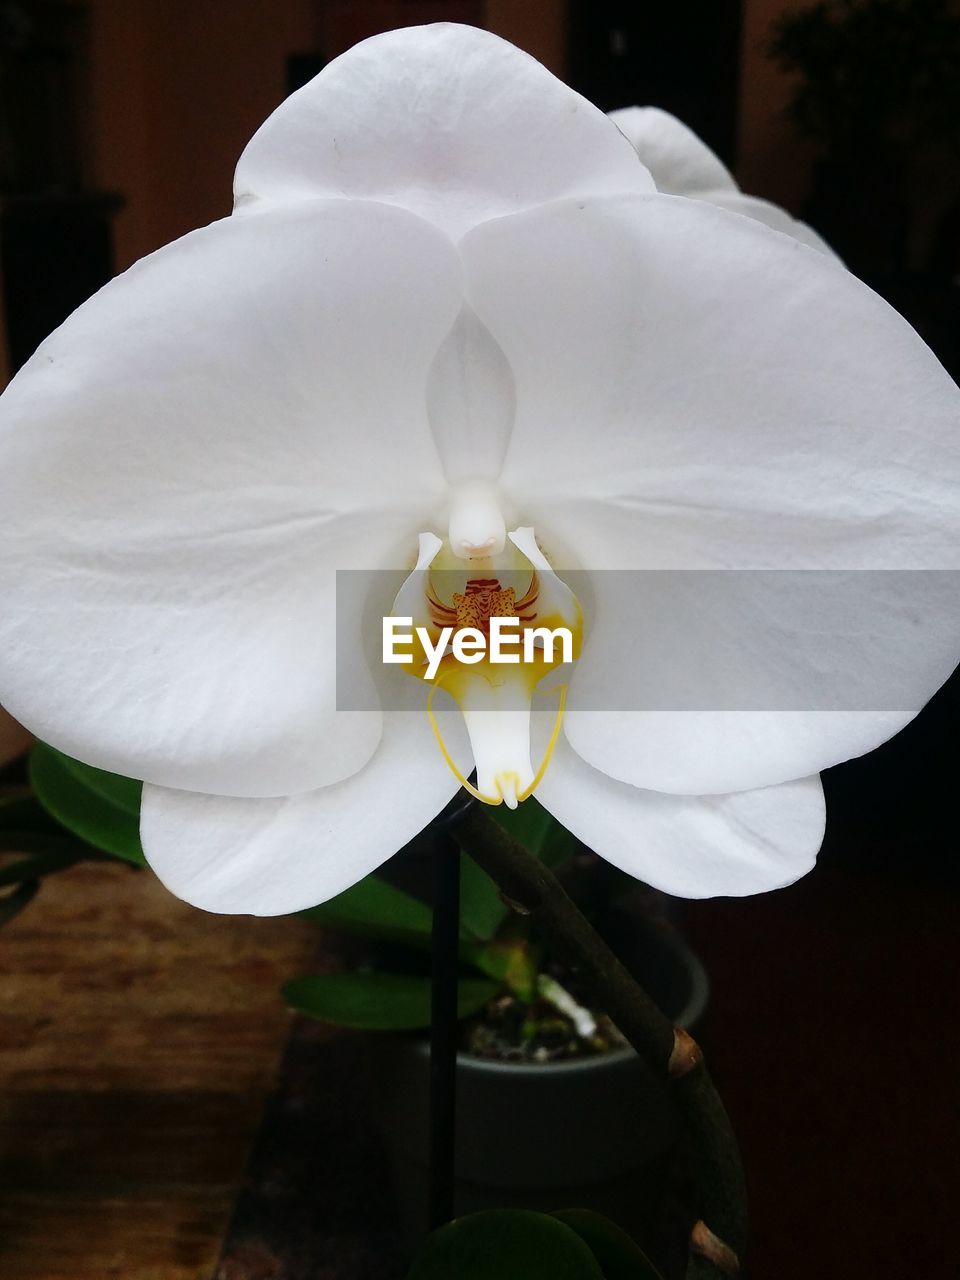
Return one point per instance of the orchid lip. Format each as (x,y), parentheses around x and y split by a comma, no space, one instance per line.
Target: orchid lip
(448,590)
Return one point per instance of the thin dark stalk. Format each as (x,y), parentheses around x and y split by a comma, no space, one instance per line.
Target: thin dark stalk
(718,1238)
(444,1027)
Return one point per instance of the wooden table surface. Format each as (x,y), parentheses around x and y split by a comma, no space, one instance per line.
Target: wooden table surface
(138,1040)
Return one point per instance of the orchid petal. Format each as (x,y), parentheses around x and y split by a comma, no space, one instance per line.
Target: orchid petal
(771,215)
(448,121)
(411,599)
(738,399)
(704,683)
(555,599)
(470,402)
(680,163)
(691,846)
(683,165)
(695,391)
(268,857)
(185,465)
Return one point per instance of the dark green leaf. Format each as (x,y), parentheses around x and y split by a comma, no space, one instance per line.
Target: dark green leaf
(513,959)
(619,1256)
(11,904)
(506,1244)
(482,910)
(374,909)
(27,828)
(40,864)
(25,813)
(85,812)
(378,1001)
(537,830)
(122,792)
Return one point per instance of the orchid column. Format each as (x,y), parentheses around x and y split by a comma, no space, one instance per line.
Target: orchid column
(452,311)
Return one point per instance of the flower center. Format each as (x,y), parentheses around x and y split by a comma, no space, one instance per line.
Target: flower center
(491,620)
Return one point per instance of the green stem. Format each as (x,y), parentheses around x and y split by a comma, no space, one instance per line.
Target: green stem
(718,1240)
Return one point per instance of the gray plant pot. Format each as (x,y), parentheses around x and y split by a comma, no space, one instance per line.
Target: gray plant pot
(592,1133)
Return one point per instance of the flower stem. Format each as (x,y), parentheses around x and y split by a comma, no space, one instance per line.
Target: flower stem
(717,1240)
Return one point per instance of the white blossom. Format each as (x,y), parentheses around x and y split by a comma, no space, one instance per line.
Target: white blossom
(451,302)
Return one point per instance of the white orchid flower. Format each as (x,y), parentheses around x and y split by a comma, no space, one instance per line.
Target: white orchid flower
(451,303)
(682,164)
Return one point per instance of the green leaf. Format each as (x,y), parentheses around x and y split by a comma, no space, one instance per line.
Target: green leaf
(537,830)
(374,909)
(619,1256)
(482,910)
(505,1244)
(27,828)
(84,811)
(122,792)
(378,1001)
(40,864)
(514,960)
(11,904)
(25,813)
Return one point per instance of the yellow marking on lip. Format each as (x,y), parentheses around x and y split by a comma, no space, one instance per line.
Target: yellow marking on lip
(465,782)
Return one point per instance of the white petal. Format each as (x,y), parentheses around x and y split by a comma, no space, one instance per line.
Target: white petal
(721,681)
(555,599)
(729,393)
(771,215)
(696,392)
(183,467)
(679,162)
(449,121)
(683,165)
(691,846)
(470,402)
(268,857)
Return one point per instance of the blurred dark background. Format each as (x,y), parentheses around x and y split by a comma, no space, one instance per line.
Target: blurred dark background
(834,1024)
